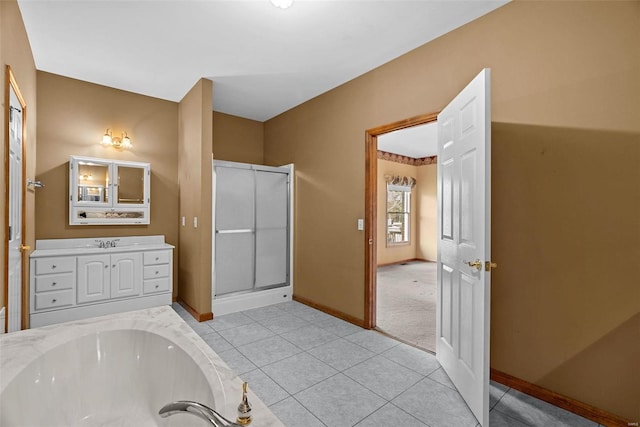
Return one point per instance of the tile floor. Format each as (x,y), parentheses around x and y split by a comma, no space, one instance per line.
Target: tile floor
(315,370)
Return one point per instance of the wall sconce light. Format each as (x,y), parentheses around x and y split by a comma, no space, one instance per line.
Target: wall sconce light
(117,142)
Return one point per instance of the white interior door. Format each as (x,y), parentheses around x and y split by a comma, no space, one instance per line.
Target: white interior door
(464,243)
(16,186)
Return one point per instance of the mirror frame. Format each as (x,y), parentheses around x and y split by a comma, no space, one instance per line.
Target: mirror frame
(110,212)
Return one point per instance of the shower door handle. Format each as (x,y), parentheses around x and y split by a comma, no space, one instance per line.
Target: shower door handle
(247,230)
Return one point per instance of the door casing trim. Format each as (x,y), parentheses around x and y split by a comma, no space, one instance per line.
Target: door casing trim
(371,204)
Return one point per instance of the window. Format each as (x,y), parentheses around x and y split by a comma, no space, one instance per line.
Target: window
(398,214)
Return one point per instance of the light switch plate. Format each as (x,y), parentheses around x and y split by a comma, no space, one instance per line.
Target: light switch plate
(360,224)
(195,222)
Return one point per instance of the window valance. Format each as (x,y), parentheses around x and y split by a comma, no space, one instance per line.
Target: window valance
(404,181)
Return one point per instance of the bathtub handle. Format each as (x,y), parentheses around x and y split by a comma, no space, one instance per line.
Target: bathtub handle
(197,409)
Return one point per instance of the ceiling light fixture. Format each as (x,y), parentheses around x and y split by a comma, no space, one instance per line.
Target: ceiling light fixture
(117,142)
(282,4)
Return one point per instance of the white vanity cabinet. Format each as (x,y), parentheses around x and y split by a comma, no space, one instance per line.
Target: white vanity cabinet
(54,282)
(101,277)
(73,279)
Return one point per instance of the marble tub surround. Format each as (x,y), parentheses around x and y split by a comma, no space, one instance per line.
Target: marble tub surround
(19,352)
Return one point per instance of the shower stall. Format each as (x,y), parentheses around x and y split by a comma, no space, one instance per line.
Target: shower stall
(252,226)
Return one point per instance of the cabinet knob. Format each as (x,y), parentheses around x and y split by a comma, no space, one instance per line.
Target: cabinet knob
(53,284)
(157,272)
(114,266)
(157,286)
(53,267)
(106,266)
(157,258)
(53,301)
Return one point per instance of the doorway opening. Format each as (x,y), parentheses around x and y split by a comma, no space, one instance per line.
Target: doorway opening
(401,225)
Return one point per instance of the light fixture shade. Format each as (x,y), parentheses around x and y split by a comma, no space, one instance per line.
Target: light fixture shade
(106,138)
(126,141)
(282,4)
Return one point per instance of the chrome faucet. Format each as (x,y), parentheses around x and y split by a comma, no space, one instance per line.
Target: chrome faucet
(102,244)
(197,409)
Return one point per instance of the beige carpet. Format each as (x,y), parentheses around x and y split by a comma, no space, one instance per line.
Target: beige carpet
(406,303)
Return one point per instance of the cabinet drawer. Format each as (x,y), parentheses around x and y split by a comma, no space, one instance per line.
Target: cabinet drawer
(54,282)
(156,285)
(156,271)
(156,257)
(54,299)
(55,265)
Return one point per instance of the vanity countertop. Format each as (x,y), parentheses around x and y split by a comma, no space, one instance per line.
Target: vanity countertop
(91,246)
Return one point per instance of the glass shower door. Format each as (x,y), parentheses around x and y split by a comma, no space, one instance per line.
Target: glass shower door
(235,225)
(272,192)
(251,228)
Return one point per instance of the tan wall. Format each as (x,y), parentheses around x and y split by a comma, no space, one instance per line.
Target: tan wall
(15,51)
(566,151)
(389,254)
(427,206)
(194,174)
(72,117)
(237,139)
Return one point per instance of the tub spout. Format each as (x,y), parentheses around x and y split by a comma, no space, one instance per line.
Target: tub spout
(197,409)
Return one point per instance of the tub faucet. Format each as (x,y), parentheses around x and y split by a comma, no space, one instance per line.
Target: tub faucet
(197,409)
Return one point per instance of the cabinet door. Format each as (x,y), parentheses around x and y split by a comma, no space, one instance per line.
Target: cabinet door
(126,275)
(94,278)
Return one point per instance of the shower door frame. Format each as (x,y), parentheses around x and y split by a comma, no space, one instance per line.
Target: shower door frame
(256,297)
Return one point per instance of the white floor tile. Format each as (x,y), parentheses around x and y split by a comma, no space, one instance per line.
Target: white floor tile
(390,415)
(341,354)
(293,414)
(339,401)
(435,405)
(264,387)
(298,372)
(383,377)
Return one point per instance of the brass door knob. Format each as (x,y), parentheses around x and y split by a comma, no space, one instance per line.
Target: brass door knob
(476,264)
(25,247)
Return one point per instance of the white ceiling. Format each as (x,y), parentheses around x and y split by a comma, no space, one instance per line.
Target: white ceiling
(262,60)
(416,142)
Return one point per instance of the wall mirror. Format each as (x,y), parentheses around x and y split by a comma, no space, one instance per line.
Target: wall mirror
(103,192)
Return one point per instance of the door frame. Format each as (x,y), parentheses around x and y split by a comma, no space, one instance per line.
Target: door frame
(371,206)
(11,83)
